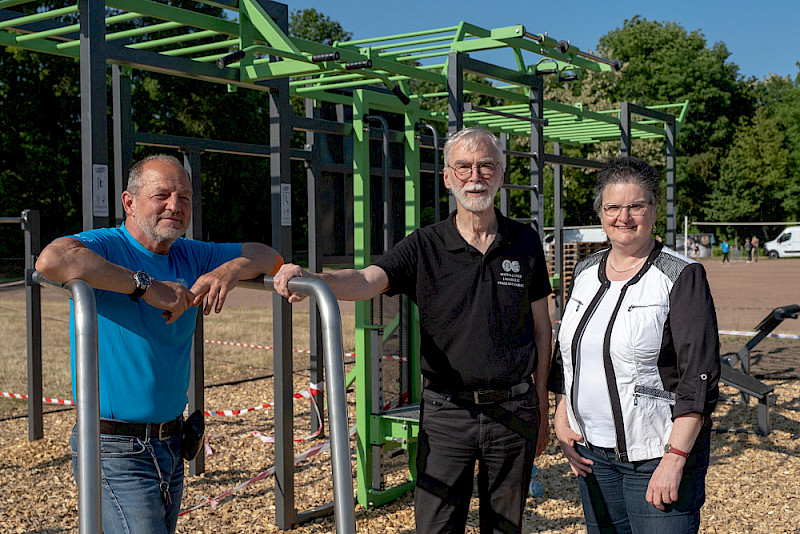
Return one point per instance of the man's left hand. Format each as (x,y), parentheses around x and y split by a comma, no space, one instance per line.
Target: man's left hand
(215,286)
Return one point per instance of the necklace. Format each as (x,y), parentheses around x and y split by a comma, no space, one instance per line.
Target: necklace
(625,270)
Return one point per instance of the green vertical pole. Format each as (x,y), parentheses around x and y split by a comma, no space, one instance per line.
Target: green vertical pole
(363,320)
(413,221)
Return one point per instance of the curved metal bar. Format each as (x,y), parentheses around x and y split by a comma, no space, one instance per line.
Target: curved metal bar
(386,186)
(333,351)
(436,216)
(90,519)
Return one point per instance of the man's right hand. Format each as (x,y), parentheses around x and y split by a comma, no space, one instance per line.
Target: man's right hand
(171,297)
(282,277)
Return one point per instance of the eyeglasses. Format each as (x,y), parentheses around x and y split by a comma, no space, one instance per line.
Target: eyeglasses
(464,171)
(635,209)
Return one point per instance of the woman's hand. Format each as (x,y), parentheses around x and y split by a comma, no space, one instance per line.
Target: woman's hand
(666,480)
(567,438)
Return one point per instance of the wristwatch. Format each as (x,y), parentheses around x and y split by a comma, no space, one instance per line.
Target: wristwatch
(669,448)
(143,282)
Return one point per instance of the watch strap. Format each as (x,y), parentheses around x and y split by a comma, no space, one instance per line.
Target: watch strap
(673,450)
(138,292)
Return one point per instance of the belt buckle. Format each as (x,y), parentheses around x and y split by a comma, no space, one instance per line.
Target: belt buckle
(489,396)
(161,436)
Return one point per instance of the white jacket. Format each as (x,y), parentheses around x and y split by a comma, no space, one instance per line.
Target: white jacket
(660,352)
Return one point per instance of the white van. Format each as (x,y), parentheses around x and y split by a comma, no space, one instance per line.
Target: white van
(786,245)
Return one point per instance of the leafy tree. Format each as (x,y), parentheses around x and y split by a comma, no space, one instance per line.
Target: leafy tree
(312,25)
(664,63)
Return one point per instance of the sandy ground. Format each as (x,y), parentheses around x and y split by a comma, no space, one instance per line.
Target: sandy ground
(751,487)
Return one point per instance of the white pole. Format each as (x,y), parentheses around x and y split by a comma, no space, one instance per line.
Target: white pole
(686,235)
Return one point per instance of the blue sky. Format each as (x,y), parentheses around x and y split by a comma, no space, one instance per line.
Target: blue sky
(762,36)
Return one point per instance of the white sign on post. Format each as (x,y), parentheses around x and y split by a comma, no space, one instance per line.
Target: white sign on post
(100,190)
(286,204)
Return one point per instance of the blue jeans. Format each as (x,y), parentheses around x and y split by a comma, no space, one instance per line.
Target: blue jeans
(614,494)
(501,437)
(132,471)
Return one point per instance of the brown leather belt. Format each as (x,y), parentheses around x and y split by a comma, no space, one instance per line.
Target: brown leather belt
(160,431)
(484,396)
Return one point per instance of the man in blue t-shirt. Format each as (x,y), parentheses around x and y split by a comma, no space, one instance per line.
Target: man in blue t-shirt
(145,277)
(724,247)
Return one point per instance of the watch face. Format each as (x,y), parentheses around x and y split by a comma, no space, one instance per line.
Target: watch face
(142,279)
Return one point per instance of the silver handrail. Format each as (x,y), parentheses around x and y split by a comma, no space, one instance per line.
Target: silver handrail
(90,518)
(88,402)
(333,352)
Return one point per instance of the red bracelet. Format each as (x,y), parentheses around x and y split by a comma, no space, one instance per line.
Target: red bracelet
(669,448)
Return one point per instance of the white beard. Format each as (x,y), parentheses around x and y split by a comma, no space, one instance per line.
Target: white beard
(476,204)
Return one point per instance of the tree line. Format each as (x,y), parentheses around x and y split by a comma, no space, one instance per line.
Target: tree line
(737,151)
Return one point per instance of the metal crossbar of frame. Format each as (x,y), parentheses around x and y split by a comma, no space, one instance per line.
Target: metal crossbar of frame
(247,45)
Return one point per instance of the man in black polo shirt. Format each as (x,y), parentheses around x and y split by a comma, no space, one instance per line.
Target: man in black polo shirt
(480,282)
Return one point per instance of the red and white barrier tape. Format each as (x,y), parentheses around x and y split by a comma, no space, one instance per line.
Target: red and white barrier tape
(215,501)
(270,439)
(47,400)
(751,334)
(312,390)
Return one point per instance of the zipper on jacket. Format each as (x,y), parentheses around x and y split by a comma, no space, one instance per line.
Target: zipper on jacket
(634,306)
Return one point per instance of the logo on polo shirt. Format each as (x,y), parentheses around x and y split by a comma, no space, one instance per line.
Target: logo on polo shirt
(510,276)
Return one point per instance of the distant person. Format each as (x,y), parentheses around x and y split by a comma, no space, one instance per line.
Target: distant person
(636,369)
(724,247)
(145,276)
(754,242)
(748,249)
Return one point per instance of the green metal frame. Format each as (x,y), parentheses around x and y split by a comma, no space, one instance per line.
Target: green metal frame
(206,39)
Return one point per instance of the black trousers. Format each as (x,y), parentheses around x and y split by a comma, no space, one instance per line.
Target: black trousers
(501,437)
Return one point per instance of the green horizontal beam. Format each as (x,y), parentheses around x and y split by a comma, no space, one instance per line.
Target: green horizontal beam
(127,33)
(402,36)
(201,48)
(74,28)
(166,41)
(38,17)
(176,14)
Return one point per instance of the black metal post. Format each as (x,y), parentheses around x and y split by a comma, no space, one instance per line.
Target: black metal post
(33,306)
(537,147)
(558,232)
(505,194)
(625,129)
(280,132)
(455,101)
(123,136)
(671,219)
(196,393)
(315,263)
(94,129)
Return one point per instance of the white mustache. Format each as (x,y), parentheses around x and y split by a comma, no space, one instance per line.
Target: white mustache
(475,188)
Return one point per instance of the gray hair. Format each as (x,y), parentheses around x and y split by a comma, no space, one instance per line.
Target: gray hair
(135,174)
(626,170)
(470,138)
